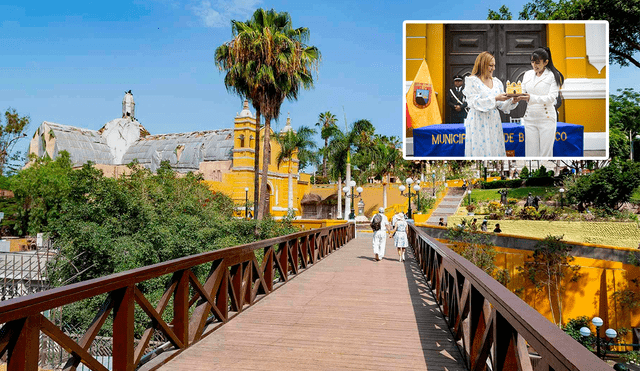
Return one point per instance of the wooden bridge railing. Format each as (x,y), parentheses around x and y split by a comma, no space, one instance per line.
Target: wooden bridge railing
(491,324)
(235,281)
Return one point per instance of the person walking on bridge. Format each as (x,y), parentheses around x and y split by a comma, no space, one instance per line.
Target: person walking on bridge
(400,236)
(380,226)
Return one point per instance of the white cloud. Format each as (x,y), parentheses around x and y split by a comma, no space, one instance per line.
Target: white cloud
(220,14)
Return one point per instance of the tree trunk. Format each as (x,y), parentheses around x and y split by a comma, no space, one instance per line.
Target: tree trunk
(385,185)
(339,216)
(290,190)
(266,159)
(256,168)
(324,158)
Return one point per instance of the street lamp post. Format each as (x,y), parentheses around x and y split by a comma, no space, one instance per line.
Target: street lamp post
(402,189)
(469,197)
(417,189)
(409,183)
(345,189)
(246,202)
(433,174)
(561,197)
(610,333)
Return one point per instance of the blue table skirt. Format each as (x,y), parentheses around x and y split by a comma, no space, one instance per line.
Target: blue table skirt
(447,140)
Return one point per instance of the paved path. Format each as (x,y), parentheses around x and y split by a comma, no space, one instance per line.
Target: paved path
(346,313)
(448,206)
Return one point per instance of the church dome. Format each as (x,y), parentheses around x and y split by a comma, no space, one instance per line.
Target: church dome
(245,110)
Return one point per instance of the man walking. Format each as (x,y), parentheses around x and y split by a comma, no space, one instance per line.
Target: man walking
(380,226)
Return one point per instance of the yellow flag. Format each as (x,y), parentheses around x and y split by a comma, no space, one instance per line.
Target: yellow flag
(422,103)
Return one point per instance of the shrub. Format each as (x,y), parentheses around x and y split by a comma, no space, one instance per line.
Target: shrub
(512,183)
(540,182)
(529,213)
(495,206)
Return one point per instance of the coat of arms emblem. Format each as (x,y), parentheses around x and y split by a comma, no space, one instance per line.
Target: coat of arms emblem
(422,94)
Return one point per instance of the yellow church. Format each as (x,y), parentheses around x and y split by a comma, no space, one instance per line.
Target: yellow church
(224,157)
(579,51)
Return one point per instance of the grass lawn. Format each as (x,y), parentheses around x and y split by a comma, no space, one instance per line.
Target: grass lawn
(519,193)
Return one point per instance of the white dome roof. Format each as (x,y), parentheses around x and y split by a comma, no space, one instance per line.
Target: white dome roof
(245,110)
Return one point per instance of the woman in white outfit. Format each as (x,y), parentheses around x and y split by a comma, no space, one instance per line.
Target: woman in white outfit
(485,95)
(400,236)
(541,86)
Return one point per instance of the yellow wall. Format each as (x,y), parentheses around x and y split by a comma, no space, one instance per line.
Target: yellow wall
(591,295)
(568,45)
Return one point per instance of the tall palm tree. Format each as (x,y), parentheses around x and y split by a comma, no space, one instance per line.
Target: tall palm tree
(385,156)
(327,123)
(291,144)
(294,62)
(240,60)
(341,144)
(272,62)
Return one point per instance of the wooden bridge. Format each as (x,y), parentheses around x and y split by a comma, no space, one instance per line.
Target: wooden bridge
(311,300)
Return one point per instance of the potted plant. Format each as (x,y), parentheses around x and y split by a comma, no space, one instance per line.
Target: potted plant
(471,208)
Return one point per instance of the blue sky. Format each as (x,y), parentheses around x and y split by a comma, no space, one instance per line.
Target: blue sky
(71,62)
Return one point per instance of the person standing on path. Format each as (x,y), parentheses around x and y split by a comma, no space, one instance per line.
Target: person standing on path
(400,236)
(380,226)
(457,101)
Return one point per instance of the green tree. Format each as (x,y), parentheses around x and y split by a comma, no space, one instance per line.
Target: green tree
(327,123)
(273,62)
(295,143)
(13,129)
(548,267)
(623,17)
(502,14)
(475,247)
(624,110)
(356,140)
(39,191)
(618,143)
(608,187)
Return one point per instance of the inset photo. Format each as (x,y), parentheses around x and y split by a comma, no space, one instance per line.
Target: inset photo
(504,89)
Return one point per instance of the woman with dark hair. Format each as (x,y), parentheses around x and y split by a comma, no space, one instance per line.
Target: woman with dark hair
(541,86)
(485,95)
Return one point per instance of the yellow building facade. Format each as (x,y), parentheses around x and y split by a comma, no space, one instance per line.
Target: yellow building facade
(579,51)
(238,181)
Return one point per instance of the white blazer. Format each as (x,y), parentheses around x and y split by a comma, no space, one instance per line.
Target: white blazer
(543,93)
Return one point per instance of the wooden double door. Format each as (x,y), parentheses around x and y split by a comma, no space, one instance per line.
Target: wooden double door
(510,44)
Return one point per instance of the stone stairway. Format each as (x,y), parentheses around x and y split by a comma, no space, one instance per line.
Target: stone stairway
(448,206)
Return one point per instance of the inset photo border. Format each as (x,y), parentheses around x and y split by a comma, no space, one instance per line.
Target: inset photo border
(435,53)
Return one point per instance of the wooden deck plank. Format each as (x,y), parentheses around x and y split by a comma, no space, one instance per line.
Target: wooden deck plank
(347,312)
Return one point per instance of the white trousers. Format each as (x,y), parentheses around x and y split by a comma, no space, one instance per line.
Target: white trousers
(539,136)
(379,243)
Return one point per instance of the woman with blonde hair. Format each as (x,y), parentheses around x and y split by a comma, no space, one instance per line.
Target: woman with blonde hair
(541,85)
(485,95)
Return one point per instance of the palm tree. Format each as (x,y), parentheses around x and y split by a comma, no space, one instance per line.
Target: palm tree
(239,59)
(291,144)
(385,156)
(327,123)
(341,144)
(271,61)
